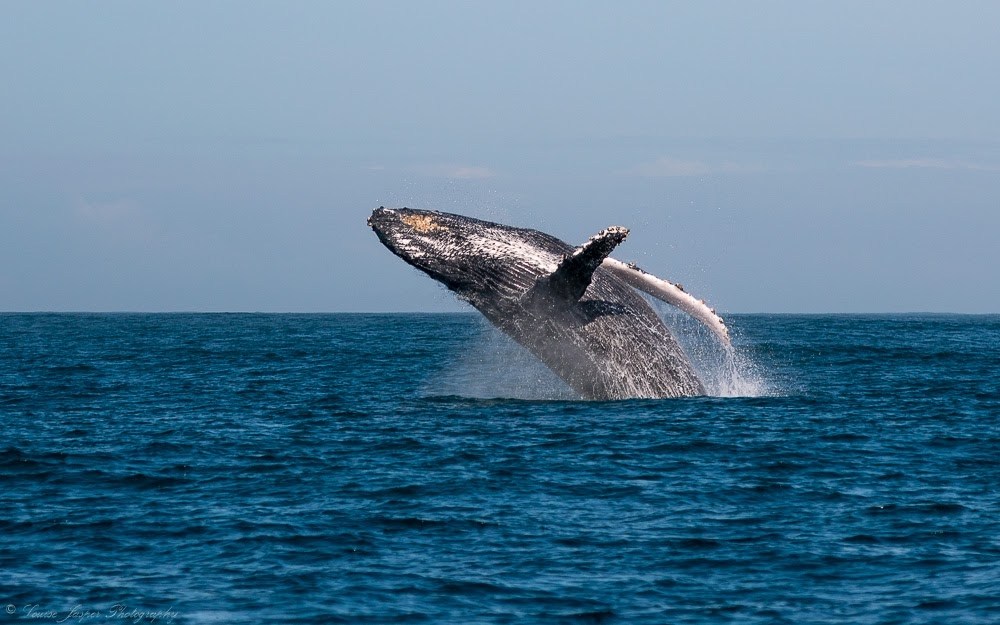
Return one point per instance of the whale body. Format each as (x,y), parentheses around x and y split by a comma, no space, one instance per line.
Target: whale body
(574,308)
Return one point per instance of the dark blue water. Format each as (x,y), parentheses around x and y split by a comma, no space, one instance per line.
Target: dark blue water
(325,468)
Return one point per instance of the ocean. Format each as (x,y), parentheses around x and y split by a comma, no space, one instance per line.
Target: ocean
(355,468)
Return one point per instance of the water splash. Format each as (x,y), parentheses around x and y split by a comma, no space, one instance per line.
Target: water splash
(725,370)
(494,366)
(738,376)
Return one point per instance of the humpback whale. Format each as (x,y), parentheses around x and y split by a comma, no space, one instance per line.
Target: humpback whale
(575,308)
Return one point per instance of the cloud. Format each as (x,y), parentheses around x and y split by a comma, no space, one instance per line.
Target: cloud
(471,172)
(121,219)
(457,172)
(115,211)
(666,167)
(927,163)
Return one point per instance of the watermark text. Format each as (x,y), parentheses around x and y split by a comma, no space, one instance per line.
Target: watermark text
(119,612)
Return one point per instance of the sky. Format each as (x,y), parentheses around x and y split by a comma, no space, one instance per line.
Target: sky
(771,156)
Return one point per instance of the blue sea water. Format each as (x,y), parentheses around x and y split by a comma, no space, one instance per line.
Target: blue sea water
(253,468)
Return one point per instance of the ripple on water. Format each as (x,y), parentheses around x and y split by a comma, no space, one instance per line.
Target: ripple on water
(286,468)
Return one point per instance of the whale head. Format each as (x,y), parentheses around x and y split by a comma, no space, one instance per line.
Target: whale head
(473,258)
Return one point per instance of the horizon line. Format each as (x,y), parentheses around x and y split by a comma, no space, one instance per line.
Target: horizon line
(453,312)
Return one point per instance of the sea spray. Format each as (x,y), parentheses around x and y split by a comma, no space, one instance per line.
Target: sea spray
(725,370)
(492,365)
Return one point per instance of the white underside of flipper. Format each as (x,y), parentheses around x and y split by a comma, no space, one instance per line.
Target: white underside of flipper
(669,293)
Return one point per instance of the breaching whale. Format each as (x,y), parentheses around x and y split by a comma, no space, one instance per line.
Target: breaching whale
(574,308)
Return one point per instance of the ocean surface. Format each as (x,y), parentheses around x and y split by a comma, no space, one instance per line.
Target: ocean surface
(256,468)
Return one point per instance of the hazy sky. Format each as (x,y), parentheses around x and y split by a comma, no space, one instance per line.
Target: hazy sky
(772,156)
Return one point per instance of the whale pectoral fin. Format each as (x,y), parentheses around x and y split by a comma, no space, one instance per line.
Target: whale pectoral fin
(574,274)
(670,293)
